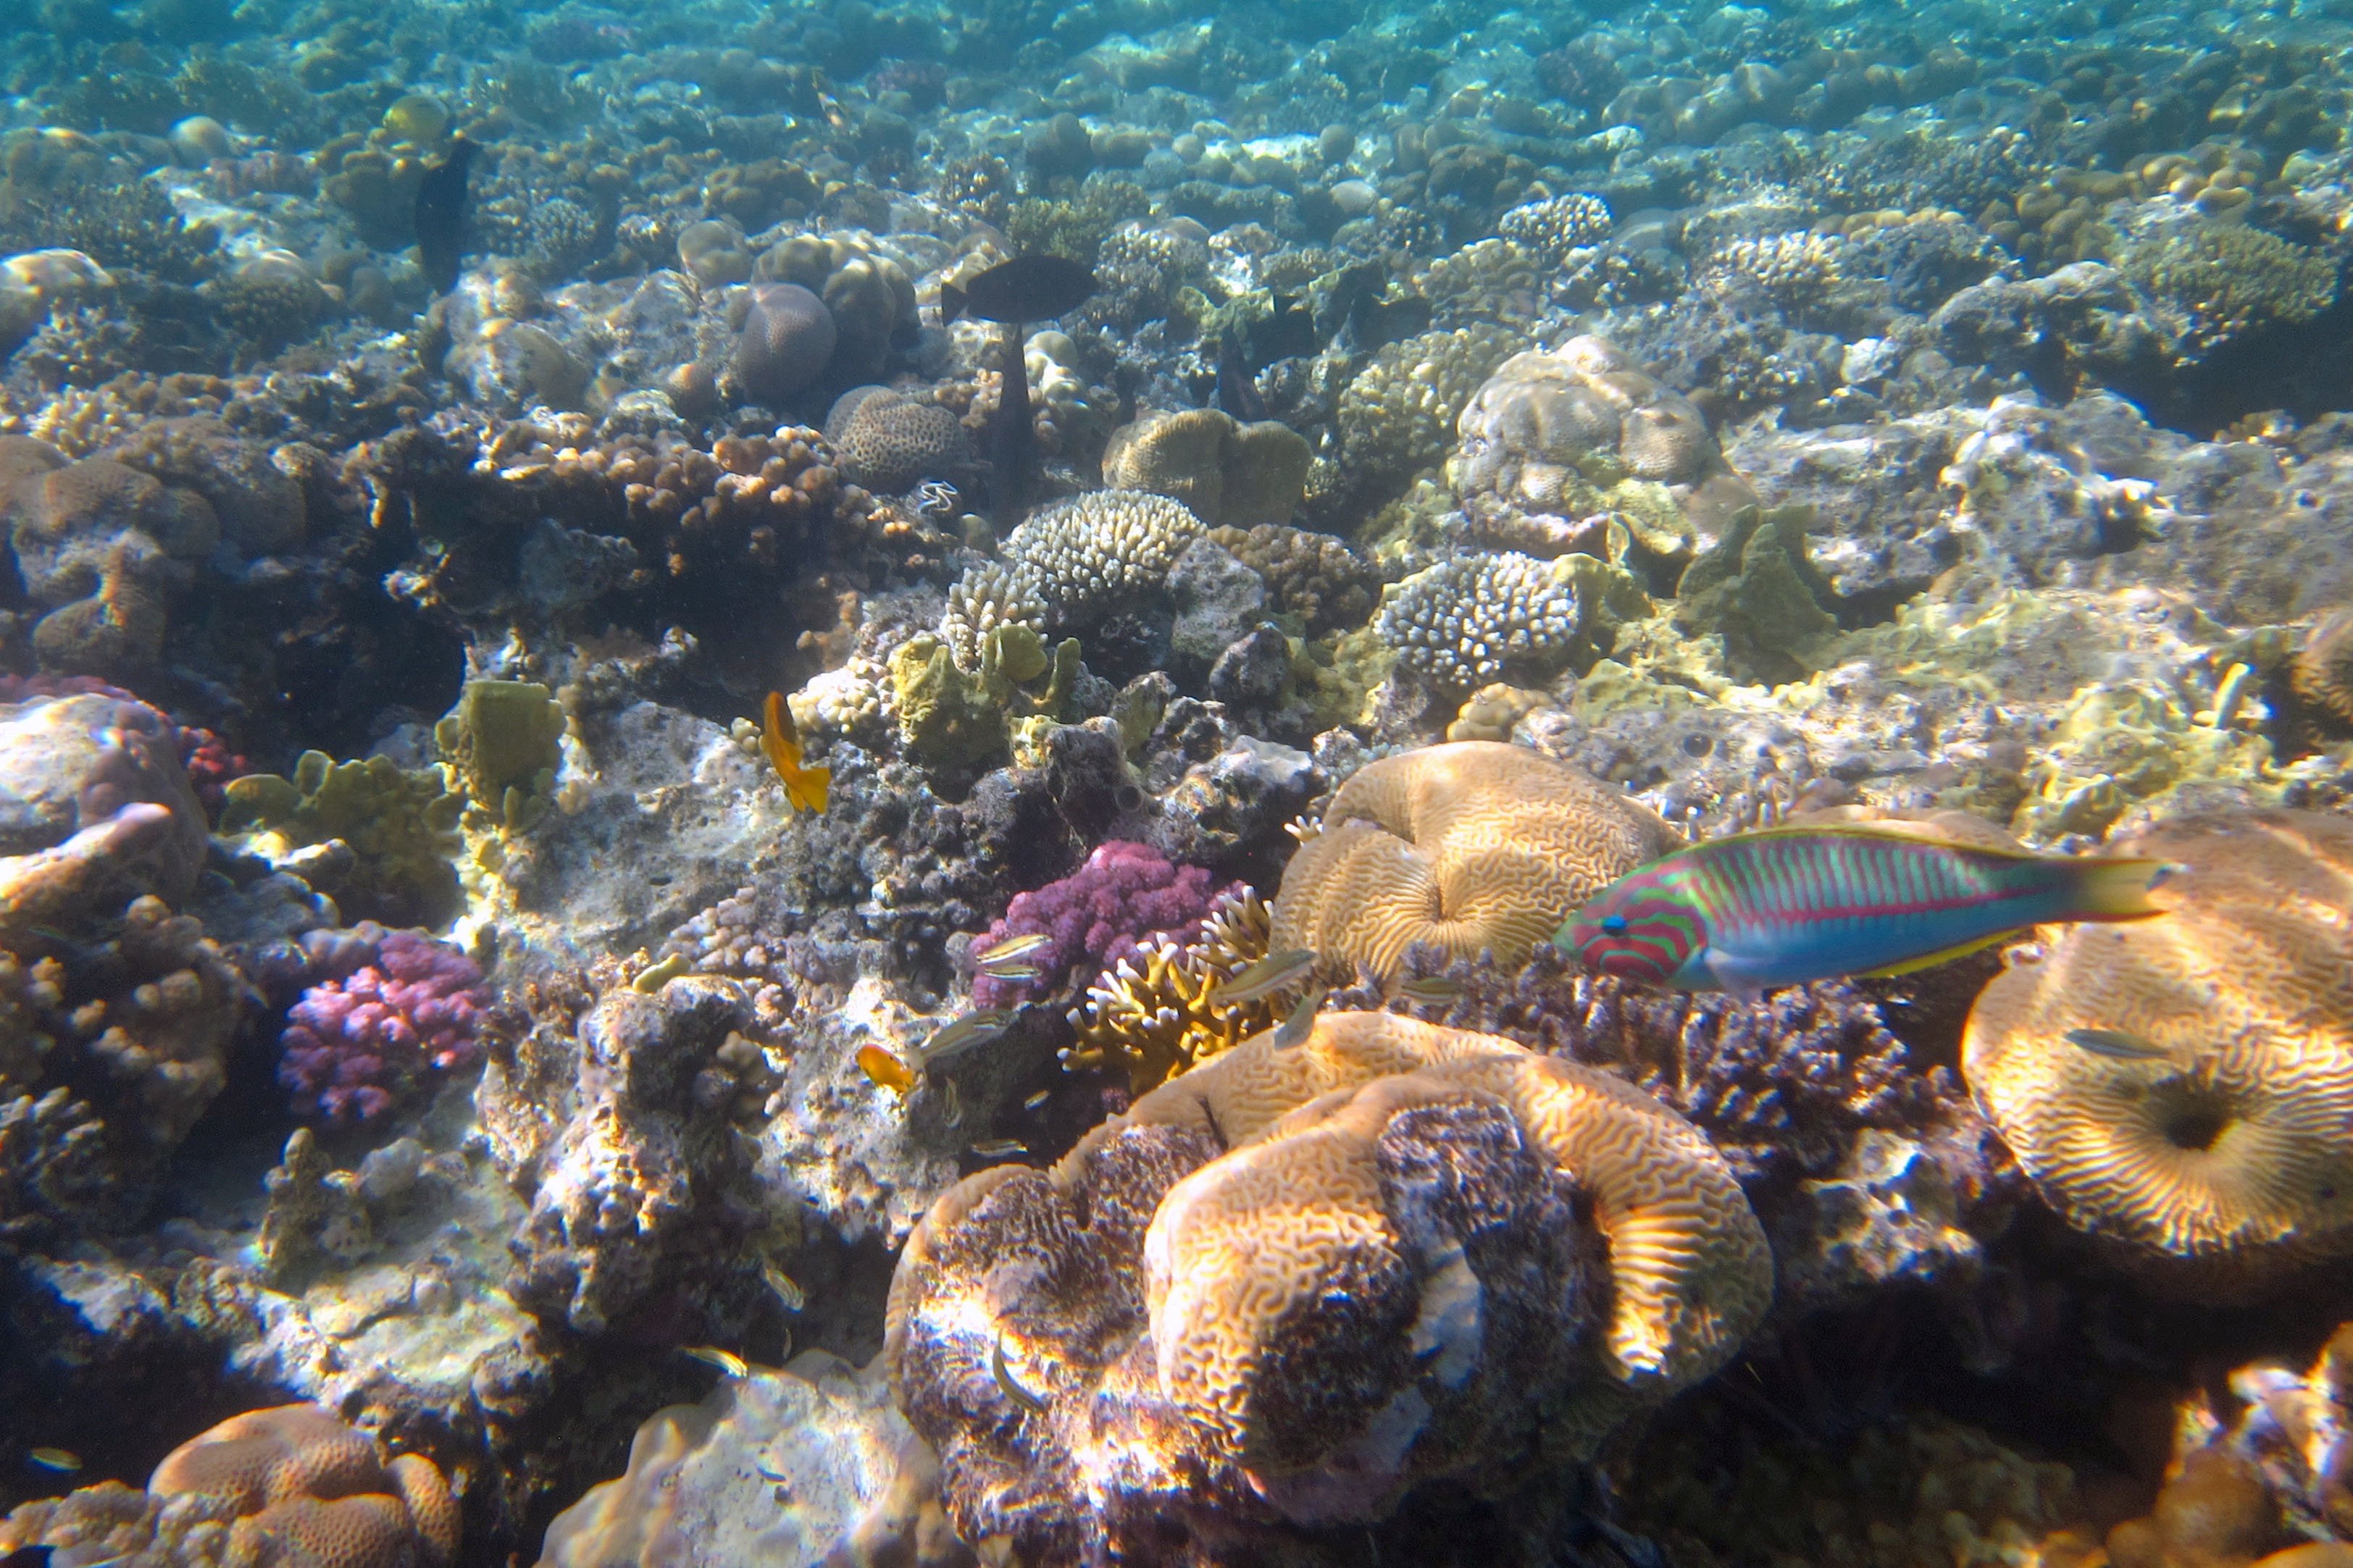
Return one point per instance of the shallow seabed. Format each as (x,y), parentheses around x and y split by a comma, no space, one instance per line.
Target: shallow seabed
(785,784)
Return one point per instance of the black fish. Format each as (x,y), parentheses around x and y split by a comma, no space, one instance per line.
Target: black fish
(1017,292)
(1026,289)
(441,215)
(1237,380)
(1285,333)
(1010,438)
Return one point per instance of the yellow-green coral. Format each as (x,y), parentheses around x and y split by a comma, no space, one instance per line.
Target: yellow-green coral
(1165,1018)
(1758,591)
(503,739)
(2217,282)
(401,826)
(950,718)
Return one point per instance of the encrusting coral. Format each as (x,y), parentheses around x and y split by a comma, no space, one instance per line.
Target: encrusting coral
(2182,1088)
(398,828)
(1467,846)
(289,1484)
(1287,1287)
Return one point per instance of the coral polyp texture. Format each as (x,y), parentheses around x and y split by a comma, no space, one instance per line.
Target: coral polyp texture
(355,1044)
(1284,1288)
(1471,847)
(292,1484)
(2182,1088)
(1124,897)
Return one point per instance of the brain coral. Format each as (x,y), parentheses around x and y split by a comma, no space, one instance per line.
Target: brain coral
(888,442)
(2215,1142)
(1469,846)
(1288,1286)
(291,1485)
(2324,670)
(788,335)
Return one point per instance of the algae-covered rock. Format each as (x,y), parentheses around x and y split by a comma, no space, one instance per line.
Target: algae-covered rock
(952,718)
(504,739)
(398,829)
(1757,589)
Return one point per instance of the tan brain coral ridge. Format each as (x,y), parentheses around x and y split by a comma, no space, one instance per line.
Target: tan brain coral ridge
(1467,846)
(1289,1285)
(2206,1129)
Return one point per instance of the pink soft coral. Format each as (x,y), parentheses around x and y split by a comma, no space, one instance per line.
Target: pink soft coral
(1124,895)
(356,1046)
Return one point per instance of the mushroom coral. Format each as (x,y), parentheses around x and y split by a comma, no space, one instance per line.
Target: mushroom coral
(1290,1284)
(1470,846)
(2208,1128)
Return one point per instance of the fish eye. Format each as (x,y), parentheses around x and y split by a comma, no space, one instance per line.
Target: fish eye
(1613,924)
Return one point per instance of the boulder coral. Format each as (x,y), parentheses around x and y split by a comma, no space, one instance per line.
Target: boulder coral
(292,1484)
(1232,474)
(2182,1088)
(101,545)
(1286,1288)
(1469,846)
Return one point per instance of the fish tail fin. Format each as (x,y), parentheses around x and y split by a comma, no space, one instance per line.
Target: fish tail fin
(2118,889)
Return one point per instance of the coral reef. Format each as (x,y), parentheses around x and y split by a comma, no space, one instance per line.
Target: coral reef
(1122,899)
(1155,1009)
(1475,619)
(858,1487)
(1469,846)
(354,1046)
(1227,473)
(1288,1287)
(290,1484)
(378,838)
(2206,1144)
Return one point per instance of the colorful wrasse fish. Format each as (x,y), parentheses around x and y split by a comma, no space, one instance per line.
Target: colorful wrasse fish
(1000,1148)
(1012,950)
(729,1363)
(1432,991)
(1785,905)
(806,788)
(1294,1030)
(964,1032)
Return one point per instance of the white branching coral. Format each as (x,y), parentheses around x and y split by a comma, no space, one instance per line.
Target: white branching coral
(1473,619)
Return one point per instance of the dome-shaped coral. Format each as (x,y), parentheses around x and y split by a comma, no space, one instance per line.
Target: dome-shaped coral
(888,442)
(1392,1252)
(1468,845)
(292,1484)
(2184,1086)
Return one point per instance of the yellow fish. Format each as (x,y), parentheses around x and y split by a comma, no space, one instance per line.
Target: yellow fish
(806,788)
(884,1070)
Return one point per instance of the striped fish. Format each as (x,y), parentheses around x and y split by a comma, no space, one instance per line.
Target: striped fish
(1785,905)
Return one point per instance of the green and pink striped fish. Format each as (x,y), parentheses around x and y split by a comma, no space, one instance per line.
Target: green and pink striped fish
(1785,905)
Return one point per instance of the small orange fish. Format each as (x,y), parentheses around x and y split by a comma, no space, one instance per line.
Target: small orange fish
(806,788)
(884,1070)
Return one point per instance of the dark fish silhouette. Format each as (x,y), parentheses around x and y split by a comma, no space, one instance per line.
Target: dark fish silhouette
(1017,292)
(1237,379)
(441,215)
(1026,289)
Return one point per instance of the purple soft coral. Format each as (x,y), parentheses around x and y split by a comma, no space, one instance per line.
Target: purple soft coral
(353,1047)
(1124,895)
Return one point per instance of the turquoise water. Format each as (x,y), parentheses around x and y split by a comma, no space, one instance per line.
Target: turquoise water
(844,741)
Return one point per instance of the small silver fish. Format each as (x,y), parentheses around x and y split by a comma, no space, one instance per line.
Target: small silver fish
(1275,972)
(64,1460)
(1037,1100)
(953,1116)
(786,1288)
(1011,950)
(1430,991)
(1020,972)
(1013,1391)
(1000,1148)
(2117,1044)
(1302,1022)
(726,1361)
(961,1034)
